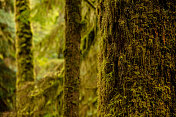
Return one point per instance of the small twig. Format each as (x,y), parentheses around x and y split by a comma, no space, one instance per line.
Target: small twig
(90,3)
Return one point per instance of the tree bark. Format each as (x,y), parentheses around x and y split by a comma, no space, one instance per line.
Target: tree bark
(24,53)
(72,57)
(136,58)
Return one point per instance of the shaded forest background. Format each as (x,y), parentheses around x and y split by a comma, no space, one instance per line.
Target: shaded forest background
(134,42)
(47,21)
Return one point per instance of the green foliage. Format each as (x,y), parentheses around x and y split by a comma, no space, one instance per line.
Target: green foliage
(48,27)
(7,55)
(7,19)
(7,87)
(43,98)
(7,34)
(45,65)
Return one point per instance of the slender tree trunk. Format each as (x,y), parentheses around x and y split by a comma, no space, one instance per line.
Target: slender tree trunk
(24,53)
(136,58)
(72,57)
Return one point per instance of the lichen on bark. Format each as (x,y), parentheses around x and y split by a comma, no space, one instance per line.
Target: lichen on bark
(136,58)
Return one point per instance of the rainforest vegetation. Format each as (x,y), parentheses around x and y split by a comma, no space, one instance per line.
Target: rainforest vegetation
(87,58)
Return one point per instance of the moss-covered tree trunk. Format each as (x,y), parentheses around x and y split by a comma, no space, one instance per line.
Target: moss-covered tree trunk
(137,58)
(24,53)
(72,57)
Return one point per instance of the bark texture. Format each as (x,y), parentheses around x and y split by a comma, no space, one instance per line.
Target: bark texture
(137,58)
(24,53)
(72,57)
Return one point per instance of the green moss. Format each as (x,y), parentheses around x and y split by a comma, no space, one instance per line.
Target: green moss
(72,57)
(24,53)
(43,97)
(133,60)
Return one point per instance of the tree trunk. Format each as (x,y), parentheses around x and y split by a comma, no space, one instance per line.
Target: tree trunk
(24,53)
(72,57)
(136,58)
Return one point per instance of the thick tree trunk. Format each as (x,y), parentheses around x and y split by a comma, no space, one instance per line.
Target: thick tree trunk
(24,54)
(72,57)
(136,58)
